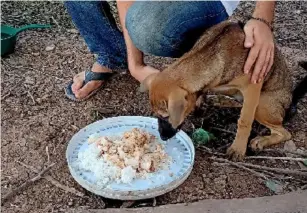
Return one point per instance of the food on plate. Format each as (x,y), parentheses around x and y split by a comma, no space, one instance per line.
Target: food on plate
(135,154)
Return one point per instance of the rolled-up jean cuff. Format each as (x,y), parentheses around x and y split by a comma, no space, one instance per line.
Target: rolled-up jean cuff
(111,64)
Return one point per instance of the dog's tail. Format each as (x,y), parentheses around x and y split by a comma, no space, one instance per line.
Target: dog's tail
(299,91)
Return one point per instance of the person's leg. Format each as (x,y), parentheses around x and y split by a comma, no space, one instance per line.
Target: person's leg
(171,28)
(98,28)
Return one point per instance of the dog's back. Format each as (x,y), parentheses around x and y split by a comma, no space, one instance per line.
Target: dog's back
(219,57)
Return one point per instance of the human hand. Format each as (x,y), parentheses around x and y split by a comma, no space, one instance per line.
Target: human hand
(259,38)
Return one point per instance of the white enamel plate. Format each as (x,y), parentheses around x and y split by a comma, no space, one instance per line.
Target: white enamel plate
(153,186)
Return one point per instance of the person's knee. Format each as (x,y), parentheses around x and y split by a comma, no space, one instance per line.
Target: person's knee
(147,33)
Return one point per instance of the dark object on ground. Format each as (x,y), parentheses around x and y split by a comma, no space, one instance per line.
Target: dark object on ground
(298,93)
(9,36)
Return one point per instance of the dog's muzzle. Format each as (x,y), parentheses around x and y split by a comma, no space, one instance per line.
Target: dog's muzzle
(166,130)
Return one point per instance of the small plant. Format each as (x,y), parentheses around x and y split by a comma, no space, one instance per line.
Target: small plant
(201,137)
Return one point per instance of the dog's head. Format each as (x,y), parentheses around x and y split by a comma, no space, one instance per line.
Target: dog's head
(169,102)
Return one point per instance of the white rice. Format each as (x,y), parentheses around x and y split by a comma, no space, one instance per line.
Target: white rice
(105,172)
(128,174)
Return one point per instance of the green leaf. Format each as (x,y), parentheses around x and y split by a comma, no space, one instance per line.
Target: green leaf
(305,162)
(274,186)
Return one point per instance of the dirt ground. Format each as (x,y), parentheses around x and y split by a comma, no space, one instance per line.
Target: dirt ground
(36,114)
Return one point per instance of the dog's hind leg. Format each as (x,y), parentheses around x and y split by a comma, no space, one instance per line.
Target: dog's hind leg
(270,113)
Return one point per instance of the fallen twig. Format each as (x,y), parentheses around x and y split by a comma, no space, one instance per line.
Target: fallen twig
(276,170)
(276,158)
(304,154)
(258,174)
(31,96)
(272,174)
(26,184)
(54,182)
(55,21)
(61,186)
(206,149)
(48,155)
(224,146)
(223,130)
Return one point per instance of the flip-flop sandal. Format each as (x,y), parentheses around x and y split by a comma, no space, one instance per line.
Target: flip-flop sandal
(89,76)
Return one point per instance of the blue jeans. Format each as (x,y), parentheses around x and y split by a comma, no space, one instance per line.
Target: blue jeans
(162,28)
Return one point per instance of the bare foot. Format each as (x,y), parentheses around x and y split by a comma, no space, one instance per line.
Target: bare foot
(81,92)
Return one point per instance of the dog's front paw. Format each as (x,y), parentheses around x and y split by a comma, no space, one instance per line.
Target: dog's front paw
(258,143)
(236,153)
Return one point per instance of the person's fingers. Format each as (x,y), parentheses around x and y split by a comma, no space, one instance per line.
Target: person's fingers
(252,57)
(259,65)
(271,61)
(265,65)
(249,37)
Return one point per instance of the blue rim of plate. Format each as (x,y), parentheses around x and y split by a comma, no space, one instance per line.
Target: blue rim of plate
(146,123)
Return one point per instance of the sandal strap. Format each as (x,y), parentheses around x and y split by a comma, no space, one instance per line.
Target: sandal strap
(94,76)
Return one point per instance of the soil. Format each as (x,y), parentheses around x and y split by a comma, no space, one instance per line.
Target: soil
(36,114)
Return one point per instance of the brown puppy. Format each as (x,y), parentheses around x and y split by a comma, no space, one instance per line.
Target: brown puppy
(216,63)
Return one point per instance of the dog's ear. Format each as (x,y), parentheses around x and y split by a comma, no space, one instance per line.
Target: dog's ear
(145,84)
(177,104)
